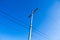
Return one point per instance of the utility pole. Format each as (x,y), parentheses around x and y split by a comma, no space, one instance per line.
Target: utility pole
(31,20)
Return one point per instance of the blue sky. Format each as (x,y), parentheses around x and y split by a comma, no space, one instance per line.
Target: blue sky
(14,13)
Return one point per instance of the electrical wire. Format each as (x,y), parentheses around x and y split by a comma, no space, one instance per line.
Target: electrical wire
(25,25)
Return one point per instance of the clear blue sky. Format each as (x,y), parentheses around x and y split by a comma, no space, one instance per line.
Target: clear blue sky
(14,13)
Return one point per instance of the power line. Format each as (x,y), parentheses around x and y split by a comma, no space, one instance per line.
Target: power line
(17,22)
(22,22)
(13,20)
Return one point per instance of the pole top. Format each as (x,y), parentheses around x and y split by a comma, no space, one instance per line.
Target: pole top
(33,12)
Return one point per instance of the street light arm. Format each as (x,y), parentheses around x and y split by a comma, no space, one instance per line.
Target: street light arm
(33,12)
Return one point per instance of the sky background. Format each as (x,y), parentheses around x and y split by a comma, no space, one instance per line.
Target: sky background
(14,21)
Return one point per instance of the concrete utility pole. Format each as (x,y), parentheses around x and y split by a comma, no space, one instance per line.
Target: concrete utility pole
(31,19)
